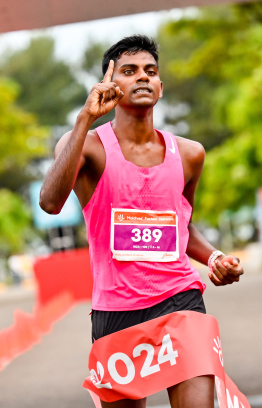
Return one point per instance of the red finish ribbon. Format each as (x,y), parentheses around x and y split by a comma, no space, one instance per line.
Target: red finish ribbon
(144,359)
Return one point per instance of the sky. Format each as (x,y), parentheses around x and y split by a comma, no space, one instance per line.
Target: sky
(72,39)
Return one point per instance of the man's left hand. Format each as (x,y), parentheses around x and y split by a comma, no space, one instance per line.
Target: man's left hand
(226,270)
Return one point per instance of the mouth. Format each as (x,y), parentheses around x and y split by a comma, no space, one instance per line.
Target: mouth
(143,90)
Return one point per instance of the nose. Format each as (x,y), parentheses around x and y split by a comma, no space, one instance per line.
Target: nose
(142,76)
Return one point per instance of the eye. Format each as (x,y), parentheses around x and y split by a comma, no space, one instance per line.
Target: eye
(128,71)
(151,72)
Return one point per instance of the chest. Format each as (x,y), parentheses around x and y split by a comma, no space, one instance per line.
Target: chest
(146,155)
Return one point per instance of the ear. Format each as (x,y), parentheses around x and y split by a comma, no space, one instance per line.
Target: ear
(161,90)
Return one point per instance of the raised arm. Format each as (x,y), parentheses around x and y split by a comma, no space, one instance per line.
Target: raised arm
(226,269)
(69,155)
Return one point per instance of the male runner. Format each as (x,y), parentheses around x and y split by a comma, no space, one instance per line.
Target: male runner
(130,166)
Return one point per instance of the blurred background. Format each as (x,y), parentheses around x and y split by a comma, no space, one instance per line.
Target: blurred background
(211,66)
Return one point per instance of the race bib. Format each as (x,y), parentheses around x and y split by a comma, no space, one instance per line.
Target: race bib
(144,235)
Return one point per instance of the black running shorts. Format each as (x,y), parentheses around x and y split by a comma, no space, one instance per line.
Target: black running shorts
(104,322)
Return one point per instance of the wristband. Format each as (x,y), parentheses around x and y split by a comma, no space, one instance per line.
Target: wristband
(212,258)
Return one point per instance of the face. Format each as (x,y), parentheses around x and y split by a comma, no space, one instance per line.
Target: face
(137,76)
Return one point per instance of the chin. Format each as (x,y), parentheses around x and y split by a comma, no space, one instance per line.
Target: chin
(144,102)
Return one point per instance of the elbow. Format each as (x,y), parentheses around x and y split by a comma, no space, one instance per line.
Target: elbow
(47,205)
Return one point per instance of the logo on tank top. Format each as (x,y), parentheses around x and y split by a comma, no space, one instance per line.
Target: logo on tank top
(173,150)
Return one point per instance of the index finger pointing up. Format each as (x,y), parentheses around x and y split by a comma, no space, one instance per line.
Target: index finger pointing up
(109,72)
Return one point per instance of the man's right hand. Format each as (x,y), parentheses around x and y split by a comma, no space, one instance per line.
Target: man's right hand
(103,96)
(61,177)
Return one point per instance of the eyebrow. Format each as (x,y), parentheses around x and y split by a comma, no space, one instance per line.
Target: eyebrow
(135,66)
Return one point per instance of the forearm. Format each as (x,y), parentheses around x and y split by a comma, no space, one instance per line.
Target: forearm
(198,247)
(60,178)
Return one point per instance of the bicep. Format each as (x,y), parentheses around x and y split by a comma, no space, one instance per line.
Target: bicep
(60,146)
(196,164)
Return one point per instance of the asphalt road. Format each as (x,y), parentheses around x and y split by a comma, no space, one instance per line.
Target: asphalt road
(51,373)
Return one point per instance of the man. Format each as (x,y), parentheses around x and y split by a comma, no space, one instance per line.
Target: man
(129,178)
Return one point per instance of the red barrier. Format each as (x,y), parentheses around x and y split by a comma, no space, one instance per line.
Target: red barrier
(28,329)
(64,271)
(63,278)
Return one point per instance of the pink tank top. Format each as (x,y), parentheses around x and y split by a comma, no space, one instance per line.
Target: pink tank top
(137,229)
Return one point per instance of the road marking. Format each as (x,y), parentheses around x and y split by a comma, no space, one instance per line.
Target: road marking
(254,401)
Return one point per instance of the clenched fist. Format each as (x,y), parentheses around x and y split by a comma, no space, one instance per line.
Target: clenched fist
(226,270)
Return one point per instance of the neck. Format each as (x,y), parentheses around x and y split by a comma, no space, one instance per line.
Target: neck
(134,126)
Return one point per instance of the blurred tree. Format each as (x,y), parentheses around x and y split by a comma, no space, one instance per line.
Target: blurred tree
(48,87)
(232,173)
(202,61)
(214,63)
(21,138)
(92,60)
(15,221)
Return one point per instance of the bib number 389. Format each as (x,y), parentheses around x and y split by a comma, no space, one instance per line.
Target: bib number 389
(146,235)
(165,354)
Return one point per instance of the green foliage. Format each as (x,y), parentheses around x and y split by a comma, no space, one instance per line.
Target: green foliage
(92,61)
(202,63)
(48,88)
(214,64)
(15,221)
(232,173)
(21,138)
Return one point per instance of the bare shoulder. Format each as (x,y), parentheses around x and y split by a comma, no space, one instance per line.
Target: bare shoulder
(191,151)
(92,143)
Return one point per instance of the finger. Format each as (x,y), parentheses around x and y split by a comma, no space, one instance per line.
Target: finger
(233,260)
(233,269)
(230,261)
(215,277)
(214,280)
(109,95)
(113,96)
(100,88)
(119,93)
(221,272)
(230,275)
(109,72)
(217,274)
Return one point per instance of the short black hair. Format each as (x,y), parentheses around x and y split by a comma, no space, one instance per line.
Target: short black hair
(130,45)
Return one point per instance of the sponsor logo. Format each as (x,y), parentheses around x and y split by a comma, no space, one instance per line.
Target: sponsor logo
(120,217)
(134,218)
(166,255)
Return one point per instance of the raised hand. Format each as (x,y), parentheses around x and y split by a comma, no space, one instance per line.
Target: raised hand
(226,270)
(103,96)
